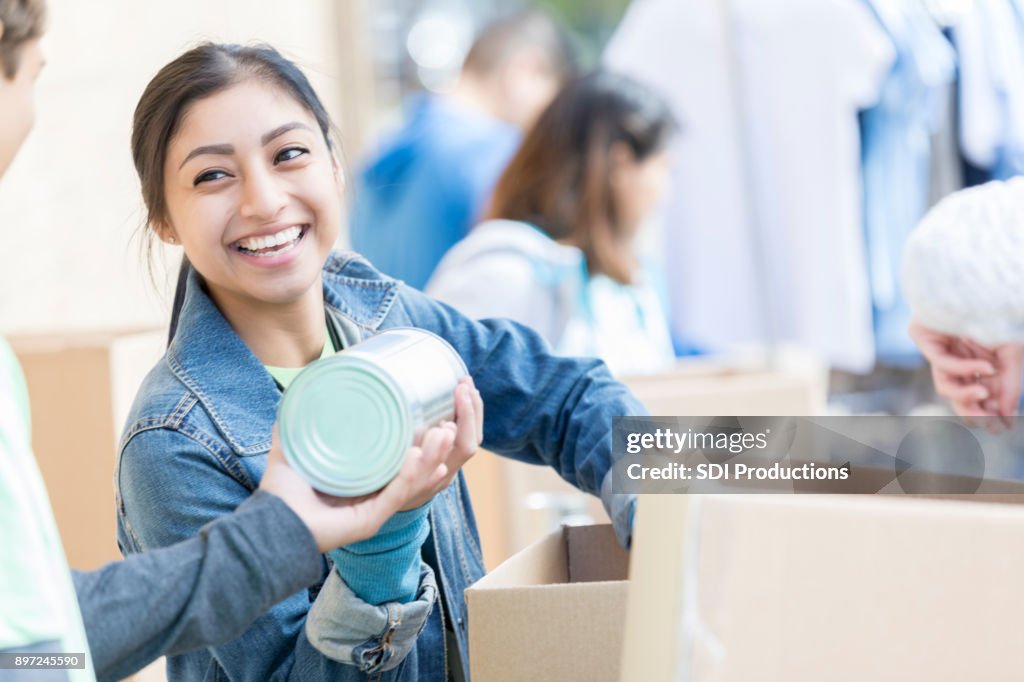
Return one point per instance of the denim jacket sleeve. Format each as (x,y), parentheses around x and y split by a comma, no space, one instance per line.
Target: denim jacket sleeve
(171,484)
(375,638)
(539,408)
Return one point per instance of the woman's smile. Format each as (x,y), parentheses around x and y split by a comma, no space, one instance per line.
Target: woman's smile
(272,247)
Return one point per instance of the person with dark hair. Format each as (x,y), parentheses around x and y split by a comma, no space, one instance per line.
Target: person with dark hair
(557,250)
(428,183)
(203,590)
(237,165)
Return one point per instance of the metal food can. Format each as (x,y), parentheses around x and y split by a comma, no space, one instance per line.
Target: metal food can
(347,421)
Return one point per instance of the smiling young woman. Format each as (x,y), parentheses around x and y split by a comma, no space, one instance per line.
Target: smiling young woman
(207,588)
(235,157)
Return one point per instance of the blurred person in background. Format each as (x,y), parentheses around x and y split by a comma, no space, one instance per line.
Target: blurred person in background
(557,250)
(200,591)
(428,183)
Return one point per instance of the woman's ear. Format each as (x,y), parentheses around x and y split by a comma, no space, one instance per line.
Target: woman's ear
(1,29)
(621,160)
(165,232)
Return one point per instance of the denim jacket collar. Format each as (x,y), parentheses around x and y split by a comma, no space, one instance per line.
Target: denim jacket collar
(229,381)
(357,291)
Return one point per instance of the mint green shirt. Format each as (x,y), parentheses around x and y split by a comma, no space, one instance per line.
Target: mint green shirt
(37,598)
(286,375)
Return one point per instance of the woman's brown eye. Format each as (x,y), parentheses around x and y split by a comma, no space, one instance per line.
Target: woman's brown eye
(209,176)
(289,154)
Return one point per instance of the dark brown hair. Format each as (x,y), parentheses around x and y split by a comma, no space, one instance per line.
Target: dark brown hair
(197,74)
(560,179)
(24,20)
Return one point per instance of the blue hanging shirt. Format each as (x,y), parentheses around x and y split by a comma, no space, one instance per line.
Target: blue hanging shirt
(896,154)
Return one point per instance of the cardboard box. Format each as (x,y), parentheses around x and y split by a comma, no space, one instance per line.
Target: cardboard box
(81,386)
(788,382)
(783,587)
(553,612)
(516,504)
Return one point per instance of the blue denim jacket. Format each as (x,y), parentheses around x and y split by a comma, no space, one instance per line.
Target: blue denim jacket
(195,447)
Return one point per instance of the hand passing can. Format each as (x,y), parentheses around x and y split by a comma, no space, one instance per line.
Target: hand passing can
(347,421)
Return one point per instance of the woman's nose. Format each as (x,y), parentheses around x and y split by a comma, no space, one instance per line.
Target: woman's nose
(262,195)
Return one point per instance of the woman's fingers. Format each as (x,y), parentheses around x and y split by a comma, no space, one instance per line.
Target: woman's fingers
(954,389)
(280,479)
(966,368)
(1011,366)
(437,445)
(951,355)
(443,449)
(982,383)
(466,423)
(478,407)
(418,475)
(426,467)
(973,349)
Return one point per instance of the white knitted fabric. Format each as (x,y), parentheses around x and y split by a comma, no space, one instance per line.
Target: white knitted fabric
(963,266)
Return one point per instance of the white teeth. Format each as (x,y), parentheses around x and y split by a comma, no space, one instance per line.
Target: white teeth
(276,252)
(286,235)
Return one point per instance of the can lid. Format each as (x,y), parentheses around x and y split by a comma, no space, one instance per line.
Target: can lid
(344,426)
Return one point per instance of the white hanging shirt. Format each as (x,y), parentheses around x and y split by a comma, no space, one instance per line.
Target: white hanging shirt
(803,68)
(990,43)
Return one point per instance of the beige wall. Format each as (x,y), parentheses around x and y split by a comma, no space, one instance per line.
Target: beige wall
(69,205)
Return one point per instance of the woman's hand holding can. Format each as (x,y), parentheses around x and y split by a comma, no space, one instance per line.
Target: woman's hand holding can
(457,441)
(339,521)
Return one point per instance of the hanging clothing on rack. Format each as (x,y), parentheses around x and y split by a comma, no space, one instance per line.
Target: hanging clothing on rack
(989,41)
(896,141)
(764,236)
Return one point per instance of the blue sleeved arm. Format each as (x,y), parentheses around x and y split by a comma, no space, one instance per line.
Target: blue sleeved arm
(386,567)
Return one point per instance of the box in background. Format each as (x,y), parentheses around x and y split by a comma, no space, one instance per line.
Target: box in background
(554,612)
(793,384)
(81,386)
(517,503)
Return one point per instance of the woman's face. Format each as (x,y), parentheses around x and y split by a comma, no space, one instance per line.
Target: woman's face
(253,195)
(639,187)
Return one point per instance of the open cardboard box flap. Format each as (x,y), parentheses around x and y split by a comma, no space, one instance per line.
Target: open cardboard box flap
(554,611)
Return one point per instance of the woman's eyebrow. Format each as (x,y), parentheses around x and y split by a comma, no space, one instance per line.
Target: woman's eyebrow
(227,149)
(281,130)
(219,149)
